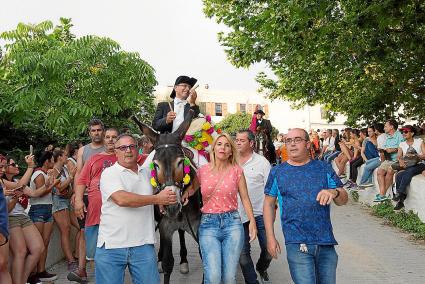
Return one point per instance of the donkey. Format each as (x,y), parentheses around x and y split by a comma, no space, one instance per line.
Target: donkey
(168,166)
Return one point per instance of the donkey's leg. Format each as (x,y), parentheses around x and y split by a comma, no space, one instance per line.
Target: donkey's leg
(167,256)
(184,266)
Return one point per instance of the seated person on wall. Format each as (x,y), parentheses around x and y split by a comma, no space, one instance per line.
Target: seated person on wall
(327,139)
(410,156)
(377,137)
(390,150)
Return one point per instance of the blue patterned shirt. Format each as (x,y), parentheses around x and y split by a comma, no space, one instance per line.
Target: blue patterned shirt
(303,219)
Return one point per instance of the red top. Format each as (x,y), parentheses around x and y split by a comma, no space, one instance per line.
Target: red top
(225,197)
(90,177)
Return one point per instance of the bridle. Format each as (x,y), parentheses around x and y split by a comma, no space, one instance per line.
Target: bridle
(180,184)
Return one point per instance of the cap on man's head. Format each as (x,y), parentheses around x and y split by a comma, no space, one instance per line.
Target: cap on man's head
(183,80)
(259,112)
(408,128)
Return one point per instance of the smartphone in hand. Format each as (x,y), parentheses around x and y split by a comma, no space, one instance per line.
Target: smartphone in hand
(31,150)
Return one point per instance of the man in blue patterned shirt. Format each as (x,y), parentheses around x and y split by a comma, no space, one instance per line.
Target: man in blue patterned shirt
(305,189)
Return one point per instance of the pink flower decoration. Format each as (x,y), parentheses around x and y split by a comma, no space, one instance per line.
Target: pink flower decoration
(208,118)
(186,169)
(188,138)
(205,143)
(210,131)
(153,173)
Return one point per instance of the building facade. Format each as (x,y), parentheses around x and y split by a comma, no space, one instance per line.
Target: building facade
(220,103)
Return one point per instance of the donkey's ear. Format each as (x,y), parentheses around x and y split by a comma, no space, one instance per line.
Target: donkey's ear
(146,130)
(181,131)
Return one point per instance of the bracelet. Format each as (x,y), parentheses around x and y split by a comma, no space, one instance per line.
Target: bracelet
(337,193)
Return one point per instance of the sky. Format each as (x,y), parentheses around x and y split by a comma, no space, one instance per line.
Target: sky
(174,36)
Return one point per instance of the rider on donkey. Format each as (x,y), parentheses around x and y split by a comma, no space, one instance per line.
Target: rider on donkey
(259,123)
(168,117)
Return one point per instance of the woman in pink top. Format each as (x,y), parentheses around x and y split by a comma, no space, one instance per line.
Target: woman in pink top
(221,234)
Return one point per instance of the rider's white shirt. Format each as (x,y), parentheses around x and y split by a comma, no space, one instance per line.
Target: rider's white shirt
(256,171)
(124,227)
(179,110)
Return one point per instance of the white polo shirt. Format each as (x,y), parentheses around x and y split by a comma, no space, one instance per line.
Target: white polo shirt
(124,227)
(256,171)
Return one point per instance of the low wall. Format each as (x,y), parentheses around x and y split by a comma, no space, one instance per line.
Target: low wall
(55,253)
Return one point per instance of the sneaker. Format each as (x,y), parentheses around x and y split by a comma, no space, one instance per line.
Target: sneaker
(364,185)
(396,197)
(33,279)
(264,277)
(72,266)
(46,276)
(77,276)
(380,198)
(399,205)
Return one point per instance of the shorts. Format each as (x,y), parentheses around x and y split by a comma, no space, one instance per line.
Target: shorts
(82,222)
(20,220)
(59,203)
(386,165)
(41,213)
(91,233)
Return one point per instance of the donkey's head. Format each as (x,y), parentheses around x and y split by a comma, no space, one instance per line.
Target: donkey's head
(169,159)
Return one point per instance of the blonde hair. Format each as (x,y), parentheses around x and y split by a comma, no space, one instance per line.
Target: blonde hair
(232,159)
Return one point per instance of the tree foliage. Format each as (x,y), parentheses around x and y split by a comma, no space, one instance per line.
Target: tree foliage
(52,83)
(235,122)
(364,59)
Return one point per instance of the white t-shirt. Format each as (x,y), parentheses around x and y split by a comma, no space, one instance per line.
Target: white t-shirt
(381,140)
(124,227)
(46,199)
(417,143)
(256,171)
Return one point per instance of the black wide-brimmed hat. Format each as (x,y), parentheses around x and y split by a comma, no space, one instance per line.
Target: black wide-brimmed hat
(259,112)
(183,80)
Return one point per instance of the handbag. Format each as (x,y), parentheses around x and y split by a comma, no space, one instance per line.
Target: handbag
(410,159)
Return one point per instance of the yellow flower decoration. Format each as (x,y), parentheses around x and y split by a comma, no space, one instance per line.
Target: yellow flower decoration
(153,182)
(186,179)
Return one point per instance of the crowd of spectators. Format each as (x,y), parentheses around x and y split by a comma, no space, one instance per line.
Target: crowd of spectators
(397,152)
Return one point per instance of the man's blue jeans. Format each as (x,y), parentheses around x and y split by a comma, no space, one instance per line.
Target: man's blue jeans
(221,239)
(317,265)
(245,261)
(141,261)
(369,166)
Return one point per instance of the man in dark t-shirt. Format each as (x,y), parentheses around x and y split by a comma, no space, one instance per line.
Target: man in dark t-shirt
(305,189)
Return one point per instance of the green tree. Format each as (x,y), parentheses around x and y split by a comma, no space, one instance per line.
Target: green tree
(52,83)
(364,59)
(235,122)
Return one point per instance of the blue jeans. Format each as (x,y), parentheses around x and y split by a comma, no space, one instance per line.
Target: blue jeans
(245,261)
(221,238)
(403,178)
(91,233)
(369,166)
(330,157)
(111,263)
(317,265)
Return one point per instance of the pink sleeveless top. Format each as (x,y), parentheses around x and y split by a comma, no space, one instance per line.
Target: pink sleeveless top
(225,198)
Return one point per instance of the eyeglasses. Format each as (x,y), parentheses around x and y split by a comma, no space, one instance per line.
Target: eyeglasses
(125,147)
(13,165)
(184,86)
(296,140)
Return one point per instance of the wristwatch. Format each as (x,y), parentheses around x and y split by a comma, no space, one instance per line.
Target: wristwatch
(337,193)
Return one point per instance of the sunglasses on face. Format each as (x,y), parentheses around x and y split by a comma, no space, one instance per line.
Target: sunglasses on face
(13,165)
(124,148)
(405,131)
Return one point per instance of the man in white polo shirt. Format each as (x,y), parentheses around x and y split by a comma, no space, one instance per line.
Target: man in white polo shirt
(126,229)
(256,169)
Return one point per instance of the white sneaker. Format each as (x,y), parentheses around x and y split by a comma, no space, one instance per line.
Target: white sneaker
(184,268)
(364,185)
